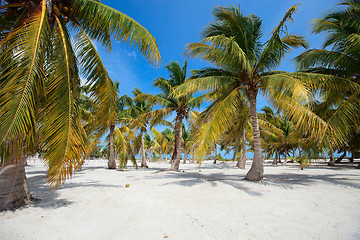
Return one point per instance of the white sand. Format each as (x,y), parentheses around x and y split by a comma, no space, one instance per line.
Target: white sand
(317,203)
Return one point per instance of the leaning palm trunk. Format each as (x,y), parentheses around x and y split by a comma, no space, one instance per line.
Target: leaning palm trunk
(256,172)
(111,162)
(175,160)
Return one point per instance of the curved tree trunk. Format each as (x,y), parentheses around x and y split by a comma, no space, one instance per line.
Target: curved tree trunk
(257,168)
(332,159)
(341,157)
(111,162)
(175,160)
(143,157)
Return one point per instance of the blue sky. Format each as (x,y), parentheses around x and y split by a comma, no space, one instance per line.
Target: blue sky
(177,23)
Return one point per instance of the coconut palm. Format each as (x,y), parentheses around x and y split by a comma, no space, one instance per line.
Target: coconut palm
(279,133)
(340,57)
(165,139)
(186,141)
(182,105)
(127,145)
(40,85)
(222,123)
(243,64)
(137,116)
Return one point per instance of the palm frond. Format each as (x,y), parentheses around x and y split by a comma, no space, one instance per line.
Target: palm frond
(99,16)
(63,136)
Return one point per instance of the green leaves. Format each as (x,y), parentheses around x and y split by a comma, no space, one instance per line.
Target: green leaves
(21,82)
(98,18)
(62,134)
(40,83)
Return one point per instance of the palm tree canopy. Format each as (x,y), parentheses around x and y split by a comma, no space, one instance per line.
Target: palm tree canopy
(40,63)
(340,57)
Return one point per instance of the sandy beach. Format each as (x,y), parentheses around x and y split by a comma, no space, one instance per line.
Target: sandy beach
(214,203)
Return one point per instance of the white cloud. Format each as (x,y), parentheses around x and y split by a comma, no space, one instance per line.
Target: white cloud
(131,54)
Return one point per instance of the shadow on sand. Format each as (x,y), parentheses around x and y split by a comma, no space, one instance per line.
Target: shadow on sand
(45,197)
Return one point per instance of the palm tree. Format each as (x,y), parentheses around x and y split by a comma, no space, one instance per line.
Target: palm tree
(39,81)
(165,139)
(137,116)
(127,145)
(340,57)
(233,44)
(279,133)
(186,139)
(182,105)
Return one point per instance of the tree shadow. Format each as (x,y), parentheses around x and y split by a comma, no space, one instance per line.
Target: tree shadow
(45,197)
(189,179)
(292,179)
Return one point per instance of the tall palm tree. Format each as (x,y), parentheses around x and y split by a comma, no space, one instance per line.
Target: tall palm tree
(182,105)
(243,64)
(39,81)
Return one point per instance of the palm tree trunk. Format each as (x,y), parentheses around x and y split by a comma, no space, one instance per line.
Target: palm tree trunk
(257,168)
(276,157)
(351,159)
(285,160)
(111,162)
(341,158)
(175,160)
(332,159)
(236,149)
(185,155)
(143,157)
(14,190)
(244,151)
(215,159)
(294,152)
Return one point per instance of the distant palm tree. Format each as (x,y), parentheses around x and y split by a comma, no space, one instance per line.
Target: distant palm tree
(243,64)
(40,60)
(279,133)
(165,139)
(182,105)
(137,116)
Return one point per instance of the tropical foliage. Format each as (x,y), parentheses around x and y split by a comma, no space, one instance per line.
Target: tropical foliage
(41,61)
(181,105)
(45,46)
(339,57)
